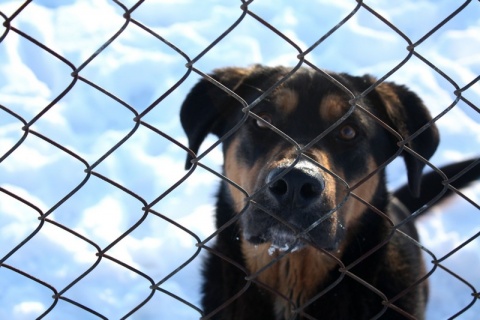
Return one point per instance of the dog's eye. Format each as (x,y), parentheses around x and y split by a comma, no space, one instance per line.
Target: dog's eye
(347,133)
(266,118)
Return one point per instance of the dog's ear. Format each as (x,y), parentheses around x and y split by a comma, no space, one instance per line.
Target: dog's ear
(408,114)
(209,109)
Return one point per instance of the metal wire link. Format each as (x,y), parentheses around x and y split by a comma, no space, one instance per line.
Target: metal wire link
(90,170)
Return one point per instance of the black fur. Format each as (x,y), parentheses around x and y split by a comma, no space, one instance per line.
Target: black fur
(377,271)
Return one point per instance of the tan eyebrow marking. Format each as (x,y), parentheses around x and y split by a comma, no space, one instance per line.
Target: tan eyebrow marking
(286,100)
(332,107)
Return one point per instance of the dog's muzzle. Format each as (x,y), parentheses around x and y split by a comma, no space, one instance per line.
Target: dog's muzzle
(291,202)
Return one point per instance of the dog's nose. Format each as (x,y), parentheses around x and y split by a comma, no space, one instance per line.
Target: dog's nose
(298,188)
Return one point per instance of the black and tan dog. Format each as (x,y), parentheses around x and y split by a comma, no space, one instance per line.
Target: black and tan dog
(310,231)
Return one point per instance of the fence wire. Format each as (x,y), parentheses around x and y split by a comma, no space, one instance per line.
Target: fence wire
(19,261)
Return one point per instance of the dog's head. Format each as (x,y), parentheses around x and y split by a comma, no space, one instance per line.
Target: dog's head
(299,154)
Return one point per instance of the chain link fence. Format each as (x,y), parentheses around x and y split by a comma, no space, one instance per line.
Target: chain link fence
(98,219)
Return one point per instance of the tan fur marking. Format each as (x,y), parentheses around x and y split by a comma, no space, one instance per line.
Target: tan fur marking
(235,172)
(332,185)
(295,276)
(366,190)
(333,107)
(286,100)
(240,174)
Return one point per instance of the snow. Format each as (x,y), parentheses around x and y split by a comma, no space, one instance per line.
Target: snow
(138,68)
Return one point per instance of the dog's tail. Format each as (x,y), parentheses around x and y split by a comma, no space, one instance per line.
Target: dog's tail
(432,185)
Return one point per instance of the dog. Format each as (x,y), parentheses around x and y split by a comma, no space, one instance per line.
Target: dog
(308,229)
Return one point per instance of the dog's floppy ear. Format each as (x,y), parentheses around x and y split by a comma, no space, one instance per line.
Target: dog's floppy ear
(208,109)
(408,114)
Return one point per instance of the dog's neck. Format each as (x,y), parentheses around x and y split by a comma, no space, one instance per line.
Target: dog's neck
(291,279)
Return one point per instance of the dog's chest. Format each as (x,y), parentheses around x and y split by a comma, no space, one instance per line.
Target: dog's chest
(292,279)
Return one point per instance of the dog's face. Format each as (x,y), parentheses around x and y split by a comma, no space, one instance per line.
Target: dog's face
(305,158)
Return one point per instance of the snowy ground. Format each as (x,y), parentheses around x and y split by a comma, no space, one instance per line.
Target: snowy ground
(138,68)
